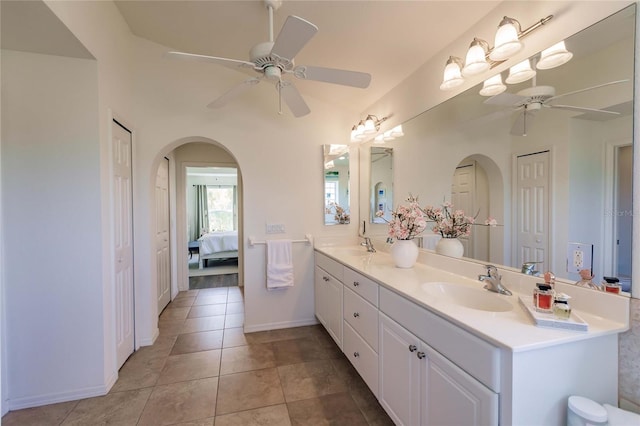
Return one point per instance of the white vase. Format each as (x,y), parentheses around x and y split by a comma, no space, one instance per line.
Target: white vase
(451,247)
(404,253)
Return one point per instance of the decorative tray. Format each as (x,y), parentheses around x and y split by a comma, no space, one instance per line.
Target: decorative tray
(544,319)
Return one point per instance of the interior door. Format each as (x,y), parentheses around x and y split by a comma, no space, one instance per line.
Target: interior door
(163,258)
(532,216)
(123,241)
(462,198)
(624,211)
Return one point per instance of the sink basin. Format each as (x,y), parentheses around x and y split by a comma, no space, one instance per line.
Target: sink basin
(348,251)
(469,297)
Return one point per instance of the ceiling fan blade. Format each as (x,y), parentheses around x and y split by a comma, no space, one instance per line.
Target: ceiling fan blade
(582,109)
(293,99)
(294,34)
(523,123)
(505,99)
(332,75)
(233,93)
(232,63)
(586,89)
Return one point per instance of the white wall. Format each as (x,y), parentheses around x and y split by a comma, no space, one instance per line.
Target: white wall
(52,245)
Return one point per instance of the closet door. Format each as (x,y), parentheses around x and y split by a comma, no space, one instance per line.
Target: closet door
(123,241)
(163,257)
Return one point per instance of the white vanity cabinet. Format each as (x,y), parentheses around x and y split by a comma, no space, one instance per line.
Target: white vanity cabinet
(328,295)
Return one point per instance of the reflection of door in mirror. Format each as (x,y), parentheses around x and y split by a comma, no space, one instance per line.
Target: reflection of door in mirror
(336,184)
(381,183)
(532,209)
(624,214)
(470,193)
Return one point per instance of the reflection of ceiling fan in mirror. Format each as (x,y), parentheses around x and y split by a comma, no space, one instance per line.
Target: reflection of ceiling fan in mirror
(532,99)
(271,60)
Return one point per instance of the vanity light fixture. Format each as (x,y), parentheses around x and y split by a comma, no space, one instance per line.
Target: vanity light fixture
(554,56)
(366,128)
(520,72)
(493,86)
(480,57)
(380,139)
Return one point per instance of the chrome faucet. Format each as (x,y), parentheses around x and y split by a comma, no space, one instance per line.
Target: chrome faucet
(368,244)
(492,280)
(527,268)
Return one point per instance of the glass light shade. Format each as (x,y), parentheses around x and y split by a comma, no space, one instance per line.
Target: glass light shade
(452,75)
(329,165)
(379,139)
(554,56)
(493,86)
(506,42)
(354,134)
(520,72)
(397,132)
(369,126)
(475,62)
(360,131)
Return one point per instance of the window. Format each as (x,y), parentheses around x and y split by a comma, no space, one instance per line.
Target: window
(221,202)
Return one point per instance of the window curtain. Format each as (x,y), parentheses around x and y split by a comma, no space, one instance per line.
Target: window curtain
(202,212)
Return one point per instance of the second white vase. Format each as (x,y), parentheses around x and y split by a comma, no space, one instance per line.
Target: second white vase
(451,247)
(404,253)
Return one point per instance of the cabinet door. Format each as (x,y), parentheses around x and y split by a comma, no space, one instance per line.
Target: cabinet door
(320,294)
(334,309)
(452,397)
(399,375)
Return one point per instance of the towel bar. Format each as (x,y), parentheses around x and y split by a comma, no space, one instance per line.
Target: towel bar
(307,239)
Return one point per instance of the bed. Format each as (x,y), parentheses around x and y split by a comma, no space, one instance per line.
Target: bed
(218,245)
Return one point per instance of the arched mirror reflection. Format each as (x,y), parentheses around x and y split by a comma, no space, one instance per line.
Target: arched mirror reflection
(381,190)
(336,184)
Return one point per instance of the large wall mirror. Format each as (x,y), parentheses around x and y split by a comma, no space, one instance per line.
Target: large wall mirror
(336,184)
(550,177)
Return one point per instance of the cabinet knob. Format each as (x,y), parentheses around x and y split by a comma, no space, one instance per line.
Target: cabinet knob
(421,355)
(356,283)
(356,354)
(325,278)
(412,348)
(356,315)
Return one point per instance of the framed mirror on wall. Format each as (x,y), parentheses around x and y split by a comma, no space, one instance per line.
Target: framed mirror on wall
(336,184)
(575,149)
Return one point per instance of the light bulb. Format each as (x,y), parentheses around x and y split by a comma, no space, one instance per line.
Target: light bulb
(506,42)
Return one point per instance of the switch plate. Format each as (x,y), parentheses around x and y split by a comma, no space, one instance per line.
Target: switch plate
(579,256)
(275,228)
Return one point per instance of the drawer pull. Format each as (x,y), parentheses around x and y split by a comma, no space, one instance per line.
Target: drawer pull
(356,354)
(356,315)
(356,283)
(325,278)
(412,348)
(421,355)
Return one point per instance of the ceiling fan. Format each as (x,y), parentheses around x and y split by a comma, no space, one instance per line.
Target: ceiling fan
(271,60)
(532,99)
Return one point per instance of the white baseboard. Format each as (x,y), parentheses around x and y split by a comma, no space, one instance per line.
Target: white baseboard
(149,341)
(54,398)
(279,325)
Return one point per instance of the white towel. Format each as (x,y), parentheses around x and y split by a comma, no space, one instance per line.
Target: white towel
(279,264)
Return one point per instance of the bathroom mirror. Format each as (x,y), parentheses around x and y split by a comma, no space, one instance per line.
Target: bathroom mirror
(584,157)
(381,178)
(336,184)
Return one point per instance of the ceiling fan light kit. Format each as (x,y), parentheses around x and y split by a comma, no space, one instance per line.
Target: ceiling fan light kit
(273,60)
(481,58)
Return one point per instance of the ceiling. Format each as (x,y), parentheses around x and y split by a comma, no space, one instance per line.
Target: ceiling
(388,39)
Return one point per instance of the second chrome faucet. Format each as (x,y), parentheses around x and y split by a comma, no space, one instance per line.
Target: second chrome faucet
(493,281)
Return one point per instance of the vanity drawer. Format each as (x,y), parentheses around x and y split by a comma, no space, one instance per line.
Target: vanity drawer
(362,316)
(475,356)
(362,285)
(363,358)
(331,266)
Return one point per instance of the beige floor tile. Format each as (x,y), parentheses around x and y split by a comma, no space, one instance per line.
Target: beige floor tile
(368,404)
(182,302)
(234,337)
(202,422)
(170,327)
(216,291)
(213,299)
(143,367)
(275,415)
(180,402)
(195,342)
(118,408)
(235,308)
(244,391)
(296,351)
(335,409)
(235,297)
(196,365)
(207,310)
(46,415)
(310,380)
(234,321)
(194,325)
(187,293)
(247,358)
(174,314)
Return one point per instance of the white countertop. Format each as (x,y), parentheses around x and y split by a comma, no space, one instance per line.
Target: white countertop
(513,329)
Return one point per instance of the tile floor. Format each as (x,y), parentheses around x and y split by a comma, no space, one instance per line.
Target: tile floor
(203,370)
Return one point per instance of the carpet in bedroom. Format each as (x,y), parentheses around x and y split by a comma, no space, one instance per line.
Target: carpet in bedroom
(213,281)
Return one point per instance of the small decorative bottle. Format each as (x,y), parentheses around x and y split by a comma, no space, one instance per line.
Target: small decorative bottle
(586,280)
(561,308)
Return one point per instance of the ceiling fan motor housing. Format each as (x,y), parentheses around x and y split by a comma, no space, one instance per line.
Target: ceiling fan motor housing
(537,96)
